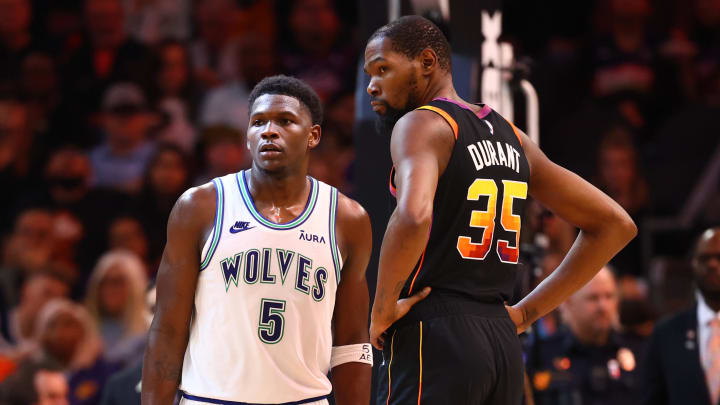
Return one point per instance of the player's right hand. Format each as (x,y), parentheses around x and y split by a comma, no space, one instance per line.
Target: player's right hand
(380,322)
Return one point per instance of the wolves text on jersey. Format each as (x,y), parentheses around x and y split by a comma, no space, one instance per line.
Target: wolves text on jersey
(253,266)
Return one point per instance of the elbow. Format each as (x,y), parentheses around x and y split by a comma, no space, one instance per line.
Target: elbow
(615,223)
(625,226)
(630,228)
(415,217)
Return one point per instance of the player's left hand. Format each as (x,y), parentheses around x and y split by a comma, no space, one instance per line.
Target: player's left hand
(379,323)
(518,318)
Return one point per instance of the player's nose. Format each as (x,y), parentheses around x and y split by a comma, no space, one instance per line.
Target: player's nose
(270,130)
(372,89)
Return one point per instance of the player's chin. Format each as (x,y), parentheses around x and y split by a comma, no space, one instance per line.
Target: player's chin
(271,165)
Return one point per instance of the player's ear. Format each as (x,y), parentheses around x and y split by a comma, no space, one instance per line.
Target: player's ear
(428,60)
(315,135)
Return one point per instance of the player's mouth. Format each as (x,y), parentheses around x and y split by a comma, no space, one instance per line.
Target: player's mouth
(379,106)
(270,150)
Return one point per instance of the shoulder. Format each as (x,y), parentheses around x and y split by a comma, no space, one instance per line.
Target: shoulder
(199,196)
(353,227)
(423,122)
(350,213)
(195,206)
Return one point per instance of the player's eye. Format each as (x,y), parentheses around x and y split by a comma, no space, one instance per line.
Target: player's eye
(257,123)
(286,121)
(382,69)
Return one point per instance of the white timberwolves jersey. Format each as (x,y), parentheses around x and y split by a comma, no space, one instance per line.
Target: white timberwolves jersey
(261,327)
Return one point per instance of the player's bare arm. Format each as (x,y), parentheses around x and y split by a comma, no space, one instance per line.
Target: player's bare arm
(421,146)
(605,228)
(351,380)
(190,221)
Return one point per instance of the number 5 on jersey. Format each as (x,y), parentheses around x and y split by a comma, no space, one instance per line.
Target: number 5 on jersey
(486,220)
(272,322)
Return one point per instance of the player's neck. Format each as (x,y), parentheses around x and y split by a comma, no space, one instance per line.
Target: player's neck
(277,189)
(442,88)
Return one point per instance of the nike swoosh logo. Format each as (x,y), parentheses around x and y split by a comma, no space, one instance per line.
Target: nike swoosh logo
(239,228)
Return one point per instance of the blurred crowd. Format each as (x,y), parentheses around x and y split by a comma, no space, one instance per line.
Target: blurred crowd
(110,109)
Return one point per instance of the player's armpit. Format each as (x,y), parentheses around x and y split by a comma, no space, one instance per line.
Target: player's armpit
(605,229)
(189,221)
(351,381)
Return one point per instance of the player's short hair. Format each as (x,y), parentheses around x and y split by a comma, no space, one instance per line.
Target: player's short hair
(412,34)
(293,87)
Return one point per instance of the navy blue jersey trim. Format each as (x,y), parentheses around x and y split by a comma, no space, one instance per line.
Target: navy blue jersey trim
(222,402)
(334,248)
(217,225)
(299,220)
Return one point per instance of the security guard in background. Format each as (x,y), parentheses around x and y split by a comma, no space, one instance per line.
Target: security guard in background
(586,362)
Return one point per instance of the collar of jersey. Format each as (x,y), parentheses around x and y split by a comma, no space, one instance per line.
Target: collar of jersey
(250,204)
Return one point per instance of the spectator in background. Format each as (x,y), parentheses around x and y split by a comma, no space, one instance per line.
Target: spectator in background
(695,47)
(618,172)
(51,388)
(16,40)
(624,62)
(18,171)
(67,335)
(39,90)
(588,362)
(175,94)
(213,52)
(169,173)
(36,291)
(682,365)
(319,52)
(116,302)
(618,175)
(28,382)
(637,316)
(121,160)
(124,387)
(126,233)
(28,250)
(108,56)
(228,104)
(149,21)
(67,178)
(224,151)
(66,340)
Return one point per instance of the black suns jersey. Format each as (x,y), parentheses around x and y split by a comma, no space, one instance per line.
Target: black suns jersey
(473,249)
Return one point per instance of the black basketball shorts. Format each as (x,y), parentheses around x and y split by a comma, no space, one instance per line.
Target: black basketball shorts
(452,357)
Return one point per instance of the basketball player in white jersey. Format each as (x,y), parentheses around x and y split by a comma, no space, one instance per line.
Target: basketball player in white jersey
(261,291)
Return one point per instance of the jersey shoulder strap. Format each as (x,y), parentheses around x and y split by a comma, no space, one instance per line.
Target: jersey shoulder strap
(450,120)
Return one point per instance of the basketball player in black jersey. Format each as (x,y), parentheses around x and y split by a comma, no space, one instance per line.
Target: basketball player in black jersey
(448,262)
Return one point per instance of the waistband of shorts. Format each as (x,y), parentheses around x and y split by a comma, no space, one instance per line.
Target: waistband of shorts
(446,304)
(225,402)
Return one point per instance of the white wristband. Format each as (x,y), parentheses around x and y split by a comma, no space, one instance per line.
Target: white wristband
(359,353)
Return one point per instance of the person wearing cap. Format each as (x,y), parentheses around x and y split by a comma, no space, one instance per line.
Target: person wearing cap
(682,365)
(119,162)
(586,362)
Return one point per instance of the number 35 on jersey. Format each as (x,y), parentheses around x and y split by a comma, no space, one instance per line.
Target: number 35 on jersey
(485,220)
